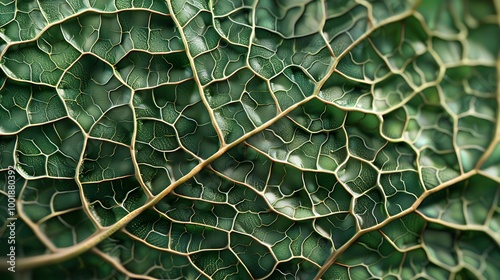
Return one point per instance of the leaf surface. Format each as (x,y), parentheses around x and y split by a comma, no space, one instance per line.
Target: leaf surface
(245,139)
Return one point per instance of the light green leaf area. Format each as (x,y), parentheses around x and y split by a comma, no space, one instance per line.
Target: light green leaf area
(246,139)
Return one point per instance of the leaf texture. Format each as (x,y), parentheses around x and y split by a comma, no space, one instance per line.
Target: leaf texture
(246,139)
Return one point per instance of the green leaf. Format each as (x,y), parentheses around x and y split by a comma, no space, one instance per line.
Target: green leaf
(244,139)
